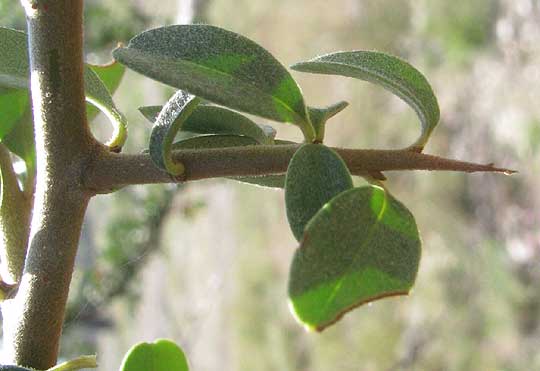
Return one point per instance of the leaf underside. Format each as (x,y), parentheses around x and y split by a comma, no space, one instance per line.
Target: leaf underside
(215,120)
(361,246)
(388,71)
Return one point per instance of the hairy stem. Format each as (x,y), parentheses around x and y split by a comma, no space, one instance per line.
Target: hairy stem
(33,319)
(110,171)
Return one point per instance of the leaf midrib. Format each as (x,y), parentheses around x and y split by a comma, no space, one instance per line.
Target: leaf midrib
(340,282)
(182,61)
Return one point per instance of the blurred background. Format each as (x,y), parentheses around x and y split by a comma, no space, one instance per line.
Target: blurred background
(206,263)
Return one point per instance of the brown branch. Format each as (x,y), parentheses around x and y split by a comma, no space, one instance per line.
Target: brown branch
(110,171)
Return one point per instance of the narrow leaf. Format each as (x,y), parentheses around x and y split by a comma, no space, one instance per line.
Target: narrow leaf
(390,72)
(162,355)
(220,66)
(169,121)
(361,246)
(268,181)
(110,74)
(97,94)
(315,175)
(319,116)
(216,120)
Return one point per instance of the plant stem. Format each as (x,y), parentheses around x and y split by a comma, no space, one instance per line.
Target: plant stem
(110,171)
(33,319)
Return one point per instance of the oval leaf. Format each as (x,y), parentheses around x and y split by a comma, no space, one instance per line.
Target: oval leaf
(220,66)
(361,246)
(167,124)
(315,175)
(216,120)
(162,355)
(391,73)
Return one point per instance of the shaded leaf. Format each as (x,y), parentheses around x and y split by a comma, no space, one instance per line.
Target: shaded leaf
(13,368)
(169,121)
(220,66)
(13,105)
(315,175)
(268,181)
(216,120)
(14,69)
(319,116)
(110,75)
(213,141)
(161,355)
(390,72)
(361,246)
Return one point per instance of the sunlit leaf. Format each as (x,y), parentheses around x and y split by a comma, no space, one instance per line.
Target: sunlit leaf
(13,105)
(315,175)
(390,72)
(15,73)
(220,66)
(319,116)
(169,121)
(20,140)
(361,246)
(216,120)
(97,94)
(162,355)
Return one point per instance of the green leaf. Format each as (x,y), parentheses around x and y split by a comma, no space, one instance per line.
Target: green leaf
(220,66)
(15,73)
(110,74)
(14,368)
(216,120)
(14,69)
(169,121)
(13,105)
(390,72)
(213,141)
(20,140)
(268,181)
(162,355)
(361,246)
(319,116)
(315,175)
(97,94)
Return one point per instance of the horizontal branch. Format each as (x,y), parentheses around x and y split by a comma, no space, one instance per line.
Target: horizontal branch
(110,170)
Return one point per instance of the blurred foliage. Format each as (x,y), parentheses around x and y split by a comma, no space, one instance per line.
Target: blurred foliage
(476,304)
